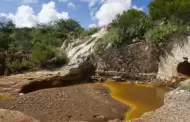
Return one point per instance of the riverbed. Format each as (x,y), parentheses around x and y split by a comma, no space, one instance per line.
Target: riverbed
(102,101)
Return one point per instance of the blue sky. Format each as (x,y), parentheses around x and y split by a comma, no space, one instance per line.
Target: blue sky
(87,12)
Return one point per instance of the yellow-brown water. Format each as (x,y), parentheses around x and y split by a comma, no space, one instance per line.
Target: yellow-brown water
(140,98)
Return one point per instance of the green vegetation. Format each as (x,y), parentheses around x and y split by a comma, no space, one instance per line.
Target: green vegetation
(166,19)
(113,37)
(170,10)
(40,45)
(89,32)
(185,87)
(161,33)
(23,49)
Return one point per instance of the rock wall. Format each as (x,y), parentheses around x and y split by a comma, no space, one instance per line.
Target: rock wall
(169,62)
(138,58)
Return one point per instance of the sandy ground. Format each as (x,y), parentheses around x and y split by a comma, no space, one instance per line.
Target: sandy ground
(89,102)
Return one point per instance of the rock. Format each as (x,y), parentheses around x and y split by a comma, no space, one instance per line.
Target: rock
(176,108)
(15,116)
(69,75)
(127,59)
(185,83)
(21,94)
(115,120)
(169,62)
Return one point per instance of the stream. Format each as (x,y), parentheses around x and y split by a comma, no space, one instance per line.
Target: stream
(141,98)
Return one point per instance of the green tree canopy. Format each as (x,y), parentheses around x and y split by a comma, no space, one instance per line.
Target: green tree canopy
(170,9)
(133,23)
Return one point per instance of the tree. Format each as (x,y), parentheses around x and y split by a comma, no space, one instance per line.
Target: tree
(21,40)
(133,23)
(170,10)
(6,29)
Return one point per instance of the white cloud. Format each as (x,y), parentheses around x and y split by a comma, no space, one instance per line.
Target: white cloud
(25,16)
(92,26)
(48,13)
(71,5)
(93,2)
(135,7)
(109,9)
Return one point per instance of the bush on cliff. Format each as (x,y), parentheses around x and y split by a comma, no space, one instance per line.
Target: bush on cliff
(113,37)
(161,33)
(89,32)
(175,10)
(134,23)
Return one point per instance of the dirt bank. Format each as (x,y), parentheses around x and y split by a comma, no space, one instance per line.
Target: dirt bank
(72,103)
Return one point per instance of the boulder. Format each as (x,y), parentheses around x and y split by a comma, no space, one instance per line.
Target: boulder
(15,116)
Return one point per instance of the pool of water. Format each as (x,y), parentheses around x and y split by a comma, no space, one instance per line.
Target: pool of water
(141,98)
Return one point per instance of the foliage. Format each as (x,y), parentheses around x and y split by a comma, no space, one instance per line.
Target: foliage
(170,10)
(20,65)
(113,37)
(6,29)
(134,23)
(89,32)
(45,55)
(159,35)
(60,59)
(20,40)
(41,53)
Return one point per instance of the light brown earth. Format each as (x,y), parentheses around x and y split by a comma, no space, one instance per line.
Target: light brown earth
(15,116)
(73,103)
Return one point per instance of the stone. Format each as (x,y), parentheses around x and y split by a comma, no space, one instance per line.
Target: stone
(21,94)
(15,116)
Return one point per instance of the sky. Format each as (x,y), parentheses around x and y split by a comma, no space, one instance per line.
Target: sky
(89,13)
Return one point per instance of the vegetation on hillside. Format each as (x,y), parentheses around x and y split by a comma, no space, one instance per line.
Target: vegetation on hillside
(37,47)
(166,18)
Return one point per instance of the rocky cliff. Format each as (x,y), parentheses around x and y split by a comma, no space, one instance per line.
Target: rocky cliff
(134,61)
(169,62)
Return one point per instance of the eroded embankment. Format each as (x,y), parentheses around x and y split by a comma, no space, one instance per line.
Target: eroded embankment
(141,98)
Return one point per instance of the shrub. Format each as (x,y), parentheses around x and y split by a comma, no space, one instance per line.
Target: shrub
(41,53)
(134,23)
(19,65)
(170,9)
(89,32)
(113,37)
(47,56)
(161,33)
(61,59)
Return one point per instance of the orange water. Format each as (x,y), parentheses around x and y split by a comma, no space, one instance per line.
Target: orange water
(140,98)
